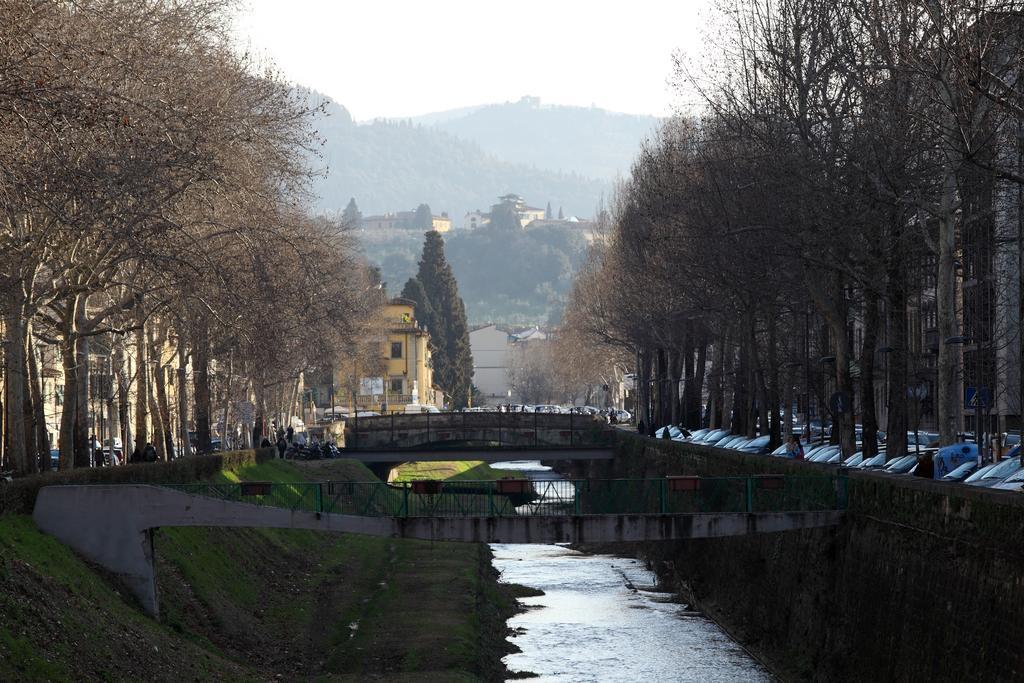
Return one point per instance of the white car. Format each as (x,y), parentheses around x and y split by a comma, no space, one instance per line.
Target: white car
(414,408)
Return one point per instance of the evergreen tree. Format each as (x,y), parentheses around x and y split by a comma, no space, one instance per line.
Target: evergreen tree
(352,217)
(561,216)
(547,212)
(425,315)
(453,360)
(424,219)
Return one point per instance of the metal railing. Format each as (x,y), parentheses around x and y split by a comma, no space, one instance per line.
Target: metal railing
(555,498)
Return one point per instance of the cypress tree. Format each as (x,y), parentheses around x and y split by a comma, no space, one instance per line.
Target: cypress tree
(352,217)
(453,360)
(425,314)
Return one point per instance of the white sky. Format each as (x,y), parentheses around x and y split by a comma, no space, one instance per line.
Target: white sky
(395,58)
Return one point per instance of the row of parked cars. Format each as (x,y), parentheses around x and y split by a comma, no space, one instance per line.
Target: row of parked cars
(962,458)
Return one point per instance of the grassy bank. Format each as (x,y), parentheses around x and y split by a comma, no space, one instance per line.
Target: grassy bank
(256,604)
(459,470)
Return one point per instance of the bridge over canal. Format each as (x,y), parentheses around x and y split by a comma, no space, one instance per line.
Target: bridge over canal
(113,525)
(488,436)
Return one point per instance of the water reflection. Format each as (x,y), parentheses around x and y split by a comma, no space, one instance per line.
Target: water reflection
(601,620)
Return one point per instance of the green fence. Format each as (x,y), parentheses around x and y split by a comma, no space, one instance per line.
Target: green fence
(564,497)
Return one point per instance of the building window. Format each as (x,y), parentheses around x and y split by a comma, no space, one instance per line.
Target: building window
(396,385)
(396,349)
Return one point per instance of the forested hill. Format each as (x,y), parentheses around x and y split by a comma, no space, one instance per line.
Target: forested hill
(592,142)
(393,166)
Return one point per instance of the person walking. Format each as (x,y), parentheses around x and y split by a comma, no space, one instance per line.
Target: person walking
(149,453)
(793,448)
(282,446)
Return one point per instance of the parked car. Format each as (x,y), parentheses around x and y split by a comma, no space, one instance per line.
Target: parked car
(758,445)
(873,463)
(1014,482)
(673,432)
(823,454)
(713,436)
(901,465)
(415,408)
(780,451)
(990,476)
(698,435)
(854,460)
(732,441)
(962,472)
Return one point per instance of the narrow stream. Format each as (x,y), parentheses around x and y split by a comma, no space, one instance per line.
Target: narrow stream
(601,618)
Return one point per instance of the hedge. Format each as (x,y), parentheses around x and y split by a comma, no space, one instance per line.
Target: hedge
(19,496)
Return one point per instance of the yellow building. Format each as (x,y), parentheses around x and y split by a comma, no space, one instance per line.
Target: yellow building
(441,223)
(408,375)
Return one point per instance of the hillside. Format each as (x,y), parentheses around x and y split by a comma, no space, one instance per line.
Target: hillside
(391,166)
(592,142)
(520,277)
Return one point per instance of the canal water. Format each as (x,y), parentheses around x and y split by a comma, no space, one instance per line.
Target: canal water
(602,618)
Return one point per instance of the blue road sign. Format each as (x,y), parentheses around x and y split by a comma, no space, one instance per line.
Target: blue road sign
(976,397)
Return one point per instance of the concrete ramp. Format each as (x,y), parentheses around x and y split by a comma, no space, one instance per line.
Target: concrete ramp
(113,525)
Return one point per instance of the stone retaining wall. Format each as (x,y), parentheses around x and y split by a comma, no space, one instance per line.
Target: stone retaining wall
(922,581)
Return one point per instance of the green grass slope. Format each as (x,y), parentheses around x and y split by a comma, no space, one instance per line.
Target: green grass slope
(256,604)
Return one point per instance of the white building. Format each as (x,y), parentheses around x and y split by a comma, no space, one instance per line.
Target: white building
(490,346)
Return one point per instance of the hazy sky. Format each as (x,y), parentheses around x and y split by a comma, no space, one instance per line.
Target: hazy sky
(394,58)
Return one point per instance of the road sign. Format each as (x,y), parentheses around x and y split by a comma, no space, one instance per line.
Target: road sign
(840,403)
(976,397)
(246,411)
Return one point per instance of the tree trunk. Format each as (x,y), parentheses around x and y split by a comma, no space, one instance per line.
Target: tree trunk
(896,359)
(40,457)
(644,388)
(163,409)
(774,431)
(201,384)
(681,363)
(946,393)
(739,404)
(123,380)
(141,384)
(227,403)
(693,408)
(16,385)
(869,419)
(760,387)
(83,454)
(183,438)
(685,418)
